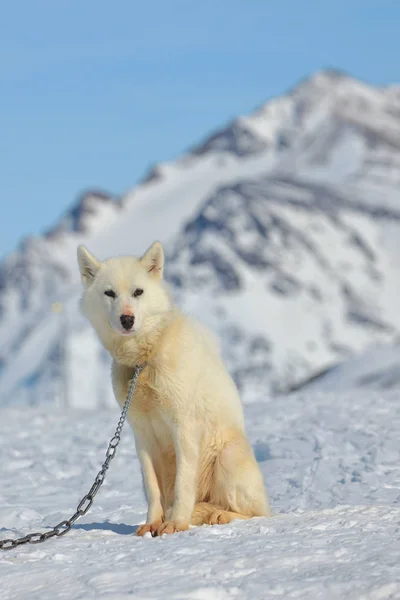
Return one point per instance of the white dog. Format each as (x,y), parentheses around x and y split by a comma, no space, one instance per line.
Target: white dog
(198,466)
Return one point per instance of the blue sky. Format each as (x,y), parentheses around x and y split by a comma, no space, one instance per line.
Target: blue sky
(93,92)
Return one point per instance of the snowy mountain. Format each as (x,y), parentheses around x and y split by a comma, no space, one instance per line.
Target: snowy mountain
(281,232)
(376,369)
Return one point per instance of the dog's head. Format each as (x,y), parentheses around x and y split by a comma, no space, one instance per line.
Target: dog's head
(124,295)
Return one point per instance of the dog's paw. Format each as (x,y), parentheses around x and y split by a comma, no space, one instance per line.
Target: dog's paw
(172,527)
(149,527)
(219,517)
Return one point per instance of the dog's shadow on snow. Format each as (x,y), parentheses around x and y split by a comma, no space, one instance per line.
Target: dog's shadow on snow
(119,528)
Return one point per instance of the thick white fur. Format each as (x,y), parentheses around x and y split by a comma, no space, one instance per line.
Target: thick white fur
(198,466)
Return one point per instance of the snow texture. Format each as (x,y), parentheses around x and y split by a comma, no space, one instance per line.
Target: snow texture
(331,463)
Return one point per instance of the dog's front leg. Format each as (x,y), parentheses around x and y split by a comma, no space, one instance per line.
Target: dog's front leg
(187,452)
(155,513)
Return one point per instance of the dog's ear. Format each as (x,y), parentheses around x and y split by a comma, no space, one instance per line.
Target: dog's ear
(88,265)
(153,260)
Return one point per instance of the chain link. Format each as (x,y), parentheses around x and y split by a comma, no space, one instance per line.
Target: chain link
(87,501)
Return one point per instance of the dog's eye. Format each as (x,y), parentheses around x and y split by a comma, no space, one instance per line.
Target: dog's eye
(137,292)
(110,293)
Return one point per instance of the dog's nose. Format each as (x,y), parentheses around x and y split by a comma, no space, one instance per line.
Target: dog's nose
(127,321)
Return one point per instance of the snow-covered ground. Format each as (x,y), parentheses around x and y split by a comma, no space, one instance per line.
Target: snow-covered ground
(331,463)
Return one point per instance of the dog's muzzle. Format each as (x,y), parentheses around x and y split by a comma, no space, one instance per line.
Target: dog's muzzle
(127,321)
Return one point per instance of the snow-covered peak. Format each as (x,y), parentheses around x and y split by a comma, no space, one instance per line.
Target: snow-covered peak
(328,100)
(280,230)
(79,218)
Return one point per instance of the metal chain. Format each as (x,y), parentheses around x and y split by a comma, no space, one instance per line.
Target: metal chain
(87,501)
